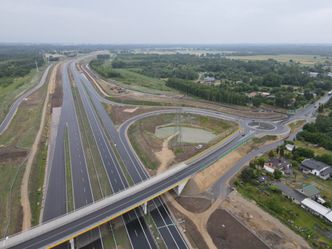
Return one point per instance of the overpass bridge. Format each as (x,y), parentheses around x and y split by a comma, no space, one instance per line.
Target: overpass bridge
(67,227)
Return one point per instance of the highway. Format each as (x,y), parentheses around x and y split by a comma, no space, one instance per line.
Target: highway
(56,194)
(88,217)
(13,108)
(158,210)
(145,188)
(137,229)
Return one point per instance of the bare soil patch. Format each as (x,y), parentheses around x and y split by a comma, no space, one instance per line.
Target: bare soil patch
(269,229)
(227,232)
(120,114)
(194,204)
(56,90)
(165,156)
(12,154)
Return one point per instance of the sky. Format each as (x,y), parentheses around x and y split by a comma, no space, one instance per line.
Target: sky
(166,21)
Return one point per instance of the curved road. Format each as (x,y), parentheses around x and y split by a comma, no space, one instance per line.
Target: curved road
(194,166)
(13,108)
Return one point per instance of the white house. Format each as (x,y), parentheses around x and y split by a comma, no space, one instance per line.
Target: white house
(316,168)
(317,209)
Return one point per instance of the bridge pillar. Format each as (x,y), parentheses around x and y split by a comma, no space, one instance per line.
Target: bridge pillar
(145,208)
(178,189)
(72,244)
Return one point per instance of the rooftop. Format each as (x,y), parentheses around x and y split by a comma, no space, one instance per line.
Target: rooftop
(312,164)
(290,192)
(318,208)
(327,171)
(309,190)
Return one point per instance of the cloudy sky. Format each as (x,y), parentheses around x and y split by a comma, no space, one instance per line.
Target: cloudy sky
(166,21)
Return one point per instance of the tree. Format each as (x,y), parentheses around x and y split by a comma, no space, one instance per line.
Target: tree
(303,152)
(271,153)
(248,175)
(277,174)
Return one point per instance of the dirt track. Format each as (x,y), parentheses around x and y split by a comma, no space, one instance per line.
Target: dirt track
(25,202)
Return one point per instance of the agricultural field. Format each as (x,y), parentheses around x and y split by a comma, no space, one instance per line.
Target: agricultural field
(303,59)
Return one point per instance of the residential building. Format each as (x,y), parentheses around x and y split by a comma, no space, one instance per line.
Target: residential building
(313,74)
(290,147)
(209,80)
(281,164)
(309,191)
(290,193)
(317,209)
(316,168)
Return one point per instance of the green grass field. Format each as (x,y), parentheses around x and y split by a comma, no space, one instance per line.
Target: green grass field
(20,134)
(9,93)
(98,176)
(140,82)
(69,182)
(36,182)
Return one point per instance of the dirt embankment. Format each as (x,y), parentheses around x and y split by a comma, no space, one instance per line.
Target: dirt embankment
(120,114)
(56,88)
(194,204)
(205,179)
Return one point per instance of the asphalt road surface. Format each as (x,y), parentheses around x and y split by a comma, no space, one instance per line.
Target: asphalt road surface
(158,210)
(13,108)
(56,195)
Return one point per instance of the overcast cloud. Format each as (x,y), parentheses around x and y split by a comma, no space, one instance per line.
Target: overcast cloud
(166,21)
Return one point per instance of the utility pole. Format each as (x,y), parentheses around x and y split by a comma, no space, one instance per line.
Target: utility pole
(178,127)
(36,66)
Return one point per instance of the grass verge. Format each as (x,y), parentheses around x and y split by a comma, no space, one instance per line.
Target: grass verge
(19,85)
(98,176)
(19,135)
(69,184)
(36,181)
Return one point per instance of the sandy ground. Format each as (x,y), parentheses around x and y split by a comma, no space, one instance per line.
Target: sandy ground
(265,226)
(166,155)
(199,219)
(203,180)
(25,202)
(221,226)
(131,110)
